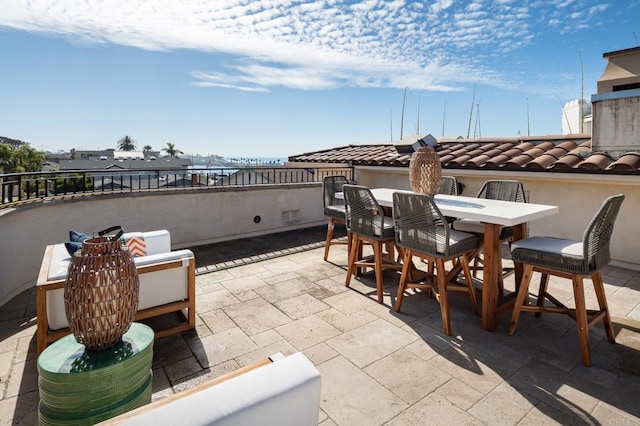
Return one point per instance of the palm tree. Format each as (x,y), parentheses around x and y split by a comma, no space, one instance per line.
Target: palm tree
(172,150)
(126,144)
(147,148)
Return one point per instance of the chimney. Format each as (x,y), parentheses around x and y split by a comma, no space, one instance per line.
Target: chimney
(616,106)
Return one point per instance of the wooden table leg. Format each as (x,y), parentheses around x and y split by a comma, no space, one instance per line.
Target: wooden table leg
(492,267)
(519,232)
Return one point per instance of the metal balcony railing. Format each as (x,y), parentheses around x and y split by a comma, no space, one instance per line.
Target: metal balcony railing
(16,188)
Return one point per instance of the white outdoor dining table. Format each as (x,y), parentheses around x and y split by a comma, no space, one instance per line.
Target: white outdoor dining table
(494,214)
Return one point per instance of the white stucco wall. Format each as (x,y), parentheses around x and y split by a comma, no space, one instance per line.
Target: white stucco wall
(193,217)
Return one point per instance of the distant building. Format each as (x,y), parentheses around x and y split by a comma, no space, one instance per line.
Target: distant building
(576,117)
(110,159)
(616,106)
(111,154)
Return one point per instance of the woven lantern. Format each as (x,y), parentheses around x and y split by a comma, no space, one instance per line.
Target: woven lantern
(101,293)
(425,171)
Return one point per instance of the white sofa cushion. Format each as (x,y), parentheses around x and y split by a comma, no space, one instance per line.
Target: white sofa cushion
(158,242)
(285,392)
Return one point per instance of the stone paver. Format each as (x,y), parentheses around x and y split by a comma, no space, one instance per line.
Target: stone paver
(406,375)
(371,342)
(256,316)
(307,332)
(222,346)
(301,306)
(351,397)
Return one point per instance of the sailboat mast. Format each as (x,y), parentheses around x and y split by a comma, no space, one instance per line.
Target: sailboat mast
(404,97)
(444,115)
(473,101)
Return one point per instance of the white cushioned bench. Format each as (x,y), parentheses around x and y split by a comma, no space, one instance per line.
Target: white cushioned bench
(277,391)
(167,284)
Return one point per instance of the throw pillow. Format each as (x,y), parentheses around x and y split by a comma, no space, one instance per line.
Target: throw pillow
(76,236)
(136,244)
(75,241)
(73,246)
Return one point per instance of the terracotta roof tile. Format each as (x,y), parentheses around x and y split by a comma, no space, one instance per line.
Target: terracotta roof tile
(563,153)
(629,161)
(569,161)
(596,161)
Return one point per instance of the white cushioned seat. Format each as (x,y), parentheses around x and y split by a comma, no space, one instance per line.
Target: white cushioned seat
(551,245)
(284,392)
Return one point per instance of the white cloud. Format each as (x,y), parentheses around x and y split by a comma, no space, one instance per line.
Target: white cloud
(307,44)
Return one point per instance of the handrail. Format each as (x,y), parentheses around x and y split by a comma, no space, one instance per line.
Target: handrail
(17,188)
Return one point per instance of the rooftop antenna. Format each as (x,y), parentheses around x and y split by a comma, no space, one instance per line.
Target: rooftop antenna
(473,101)
(444,116)
(636,37)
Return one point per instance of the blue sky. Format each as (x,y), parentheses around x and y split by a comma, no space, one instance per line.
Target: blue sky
(279,78)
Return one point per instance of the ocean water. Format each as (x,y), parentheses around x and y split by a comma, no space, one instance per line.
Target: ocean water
(257,160)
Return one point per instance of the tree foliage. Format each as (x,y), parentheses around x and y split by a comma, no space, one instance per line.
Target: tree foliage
(147,148)
(126,143)
(17,156)
(172,150)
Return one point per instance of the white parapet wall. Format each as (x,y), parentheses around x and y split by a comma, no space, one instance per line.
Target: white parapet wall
(193,217)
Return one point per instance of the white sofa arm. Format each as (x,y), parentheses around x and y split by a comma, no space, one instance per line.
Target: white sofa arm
(285,392)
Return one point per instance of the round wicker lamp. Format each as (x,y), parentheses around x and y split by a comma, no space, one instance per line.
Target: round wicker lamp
(425,171)
(101,293)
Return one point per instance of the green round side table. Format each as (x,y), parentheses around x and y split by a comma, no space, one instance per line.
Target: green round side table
(81,387)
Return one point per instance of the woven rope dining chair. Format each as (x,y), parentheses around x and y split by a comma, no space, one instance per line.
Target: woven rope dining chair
(504,190)
(333,208)
(421,230)
(573,260)
(449,185)
(367,223)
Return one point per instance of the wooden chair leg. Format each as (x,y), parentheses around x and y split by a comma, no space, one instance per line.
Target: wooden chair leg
(471,288)
(402,286)
(327,243)
(581,318)
(355,243)
(377,259)
(443,297)
(476,260)
(522,298)
(598,286)
(542,293)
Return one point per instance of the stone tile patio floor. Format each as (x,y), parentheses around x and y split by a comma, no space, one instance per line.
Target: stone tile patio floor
(263,295)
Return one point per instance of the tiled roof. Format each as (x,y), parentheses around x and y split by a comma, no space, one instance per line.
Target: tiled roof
(562,154)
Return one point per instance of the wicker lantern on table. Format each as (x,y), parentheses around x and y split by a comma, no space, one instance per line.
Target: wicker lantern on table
(101,292)
(425,171)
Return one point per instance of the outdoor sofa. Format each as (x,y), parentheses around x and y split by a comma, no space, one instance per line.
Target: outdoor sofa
(167,289)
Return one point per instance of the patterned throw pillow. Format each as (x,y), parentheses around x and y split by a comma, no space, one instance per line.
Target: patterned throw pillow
(136,245)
